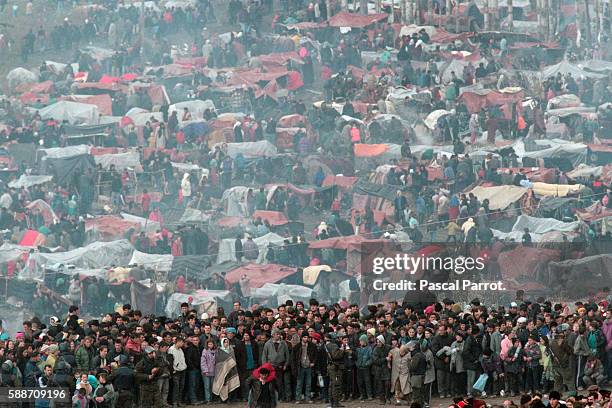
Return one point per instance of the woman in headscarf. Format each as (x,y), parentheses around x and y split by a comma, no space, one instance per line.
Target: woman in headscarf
(226,375)
(400,373)
(262,386)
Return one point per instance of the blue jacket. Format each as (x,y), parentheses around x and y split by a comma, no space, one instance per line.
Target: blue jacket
(364,357)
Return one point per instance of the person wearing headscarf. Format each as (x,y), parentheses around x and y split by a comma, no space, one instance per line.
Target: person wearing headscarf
(226,375)
(381,368)
(400,372)
(186,188)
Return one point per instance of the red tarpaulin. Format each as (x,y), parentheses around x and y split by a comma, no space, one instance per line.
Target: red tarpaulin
(102,101)
(476,100)
(338,242)
(443,36)
(107,79)
(340,181)
(30,98)
(38,88)
(230,222)
(259,275)
(370,150)
(110,227)
(275,218)
(128,77)
(31,238)
(294,80)
(345,19)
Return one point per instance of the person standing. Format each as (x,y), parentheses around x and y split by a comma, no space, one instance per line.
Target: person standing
(303,357)
(146,373)
(380,368)
(276,353)
(335,366)
(179,367)
(207,365)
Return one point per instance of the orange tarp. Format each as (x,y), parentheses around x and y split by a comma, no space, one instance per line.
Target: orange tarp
(275,218)
(259,275)
(370,150)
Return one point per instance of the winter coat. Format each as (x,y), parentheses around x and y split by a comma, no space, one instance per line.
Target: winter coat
(380,367)
(456,363)
(400,370)
(471,353)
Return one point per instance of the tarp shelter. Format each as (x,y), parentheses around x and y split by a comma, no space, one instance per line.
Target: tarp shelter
(102,101)
(477,99)
(64,169)
(72,112)
(500,197)
(93,256)
(205,301)
(544,225)
(190,266)
(581,277)
(273,294)
(311,273)
(345,19)
(262,148)
(432,119)
(45,210)
(19,76)
(32,238)
(234,201)
(556,190)
(195,107)
(121,161)
(259,275)
(227,250)
(158,262)
(565,67)
(25,181)
(110,227)
(275,218)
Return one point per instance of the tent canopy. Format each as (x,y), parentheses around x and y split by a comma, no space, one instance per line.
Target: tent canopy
(73,112)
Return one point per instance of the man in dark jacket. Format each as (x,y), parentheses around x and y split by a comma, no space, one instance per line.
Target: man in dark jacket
(418,368)
(303,357)
(122,378)
(192,358)
(472,350)
(146,373)
(439,344)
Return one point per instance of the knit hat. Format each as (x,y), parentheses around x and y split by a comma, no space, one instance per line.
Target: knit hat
(363,339)
(371,331)
(381,338)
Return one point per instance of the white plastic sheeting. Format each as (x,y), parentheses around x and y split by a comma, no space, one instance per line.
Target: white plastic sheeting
(252,149)
(146,225)
(227,251)
(29,181)
(154,261)
(140,116)
(74,112)
(204,300)
(565,67)
(544,225)
(271,292)
(20,76)
(63,152)
(196,108)
(234,201)
(121,161)
(93,256)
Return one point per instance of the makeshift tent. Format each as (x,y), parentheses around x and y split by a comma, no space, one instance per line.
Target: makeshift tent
(102,101)
(544,225)
(565,67)
(196,108)
(121,161)
(432,119)
(45,210)
(66,168)
(234,201)
(72,112)
(262,148)
(311,273)
(110,227)
(500,197)
(19,76)
(556,190)
(276,294)
(191,266)
(475,100)
(259,275)
(26,181)
(345,19)
(204,301)
(275,218)
(157,262)
(227,250)
(93,256)
(32,238)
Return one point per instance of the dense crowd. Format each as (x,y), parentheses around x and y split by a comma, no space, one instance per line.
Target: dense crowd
(399,353)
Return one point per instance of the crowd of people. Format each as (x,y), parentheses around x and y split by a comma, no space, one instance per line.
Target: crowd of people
(319,125)
(532,353)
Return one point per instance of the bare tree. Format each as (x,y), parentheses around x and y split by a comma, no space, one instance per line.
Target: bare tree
(363,6)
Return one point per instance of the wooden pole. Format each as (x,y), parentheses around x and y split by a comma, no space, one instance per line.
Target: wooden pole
(587,15)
